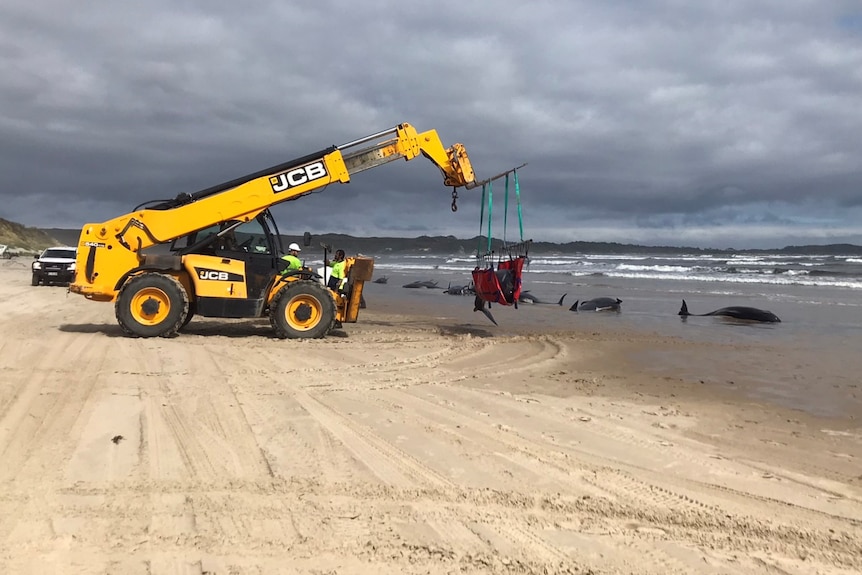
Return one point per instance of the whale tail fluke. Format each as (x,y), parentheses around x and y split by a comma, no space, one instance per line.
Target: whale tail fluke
(479,305)
(684,309)
(489,316)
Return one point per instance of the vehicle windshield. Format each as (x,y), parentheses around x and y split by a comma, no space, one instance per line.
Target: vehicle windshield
(59,253)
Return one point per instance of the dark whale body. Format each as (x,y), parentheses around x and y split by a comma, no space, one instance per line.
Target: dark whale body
(527,297)
(598,304)
(736,312)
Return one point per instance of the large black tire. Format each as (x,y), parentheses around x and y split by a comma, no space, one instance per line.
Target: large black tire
(302,309)
(35,280)
(152,305)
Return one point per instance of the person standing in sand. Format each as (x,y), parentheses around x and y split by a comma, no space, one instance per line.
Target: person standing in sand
(337,278)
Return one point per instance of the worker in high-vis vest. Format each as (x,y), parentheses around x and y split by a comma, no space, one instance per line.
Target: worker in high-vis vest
(337,277)
(292,259)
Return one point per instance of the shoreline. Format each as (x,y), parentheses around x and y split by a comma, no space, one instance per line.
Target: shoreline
(718,357)
(628,361)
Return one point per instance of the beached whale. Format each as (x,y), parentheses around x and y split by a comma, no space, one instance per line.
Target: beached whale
(598,304)
(736,312)
(381,280)
(460,290)
(527,297)
(430,284)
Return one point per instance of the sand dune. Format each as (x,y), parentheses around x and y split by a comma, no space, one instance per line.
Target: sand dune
(413,445)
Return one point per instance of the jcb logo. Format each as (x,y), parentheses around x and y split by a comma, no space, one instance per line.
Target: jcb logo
(218,275)
(298,177)
(212,275)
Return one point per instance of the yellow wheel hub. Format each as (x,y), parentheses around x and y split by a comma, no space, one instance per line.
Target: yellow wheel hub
(150,306)
(303,312)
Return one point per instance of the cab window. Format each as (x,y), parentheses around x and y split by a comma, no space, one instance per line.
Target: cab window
(251,238)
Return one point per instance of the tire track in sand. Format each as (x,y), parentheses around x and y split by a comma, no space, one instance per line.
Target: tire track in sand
(400,469)
(520,355)
(295,444)
(209,428)
(488,439)
(670,511)
(595,466)
(689,488)
(567,475)
(680,507)
(40,421)
(47,411)
(388,463)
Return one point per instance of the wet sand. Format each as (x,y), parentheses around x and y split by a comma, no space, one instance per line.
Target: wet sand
(416,441)
(810,362)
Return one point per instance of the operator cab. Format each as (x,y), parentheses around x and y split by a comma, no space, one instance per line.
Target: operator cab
(259,236)
(256,244)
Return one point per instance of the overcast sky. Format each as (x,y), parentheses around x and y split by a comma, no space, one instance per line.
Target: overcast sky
(715,123)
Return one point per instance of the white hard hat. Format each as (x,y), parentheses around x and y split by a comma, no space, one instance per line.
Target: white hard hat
(294,246)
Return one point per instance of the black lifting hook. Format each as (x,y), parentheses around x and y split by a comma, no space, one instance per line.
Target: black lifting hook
(454,199)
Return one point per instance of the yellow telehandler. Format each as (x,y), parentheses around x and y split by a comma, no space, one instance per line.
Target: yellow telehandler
(224,256)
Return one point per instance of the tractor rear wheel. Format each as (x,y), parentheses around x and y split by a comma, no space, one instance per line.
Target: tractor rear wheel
(302,309)
(152,305)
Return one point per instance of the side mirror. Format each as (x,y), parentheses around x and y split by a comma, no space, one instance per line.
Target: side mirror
(306,239)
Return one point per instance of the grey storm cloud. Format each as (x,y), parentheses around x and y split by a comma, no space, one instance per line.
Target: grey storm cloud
(706,123)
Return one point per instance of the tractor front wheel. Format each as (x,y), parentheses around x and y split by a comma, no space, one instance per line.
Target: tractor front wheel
(302,309)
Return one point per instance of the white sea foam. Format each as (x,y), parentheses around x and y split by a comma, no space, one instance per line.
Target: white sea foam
(766,269)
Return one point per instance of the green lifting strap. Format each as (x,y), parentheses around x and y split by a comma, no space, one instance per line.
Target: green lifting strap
(518,196)
(488,188)
(481,221)
(506,210)
(490,204)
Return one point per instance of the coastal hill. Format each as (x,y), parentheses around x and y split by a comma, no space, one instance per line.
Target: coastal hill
(27,239)
(21,239)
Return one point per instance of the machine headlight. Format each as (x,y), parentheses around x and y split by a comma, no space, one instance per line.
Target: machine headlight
(37,265)
(72,266)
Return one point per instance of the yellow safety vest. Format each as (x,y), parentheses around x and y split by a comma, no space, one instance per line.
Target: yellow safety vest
(293,262)
(338,269)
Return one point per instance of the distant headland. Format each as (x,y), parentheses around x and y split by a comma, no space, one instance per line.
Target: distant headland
(30,239)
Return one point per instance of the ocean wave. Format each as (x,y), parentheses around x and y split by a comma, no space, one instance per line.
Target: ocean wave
(766,269)
(613,257)
(666,269)
(555,262)
(729,278)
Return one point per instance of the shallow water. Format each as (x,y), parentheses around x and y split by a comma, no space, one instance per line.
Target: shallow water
(811,361)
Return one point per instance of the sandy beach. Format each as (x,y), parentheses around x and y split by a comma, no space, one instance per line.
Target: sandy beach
(413,442)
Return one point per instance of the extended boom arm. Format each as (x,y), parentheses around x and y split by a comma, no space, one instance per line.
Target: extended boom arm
(110,251)
(244,198)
